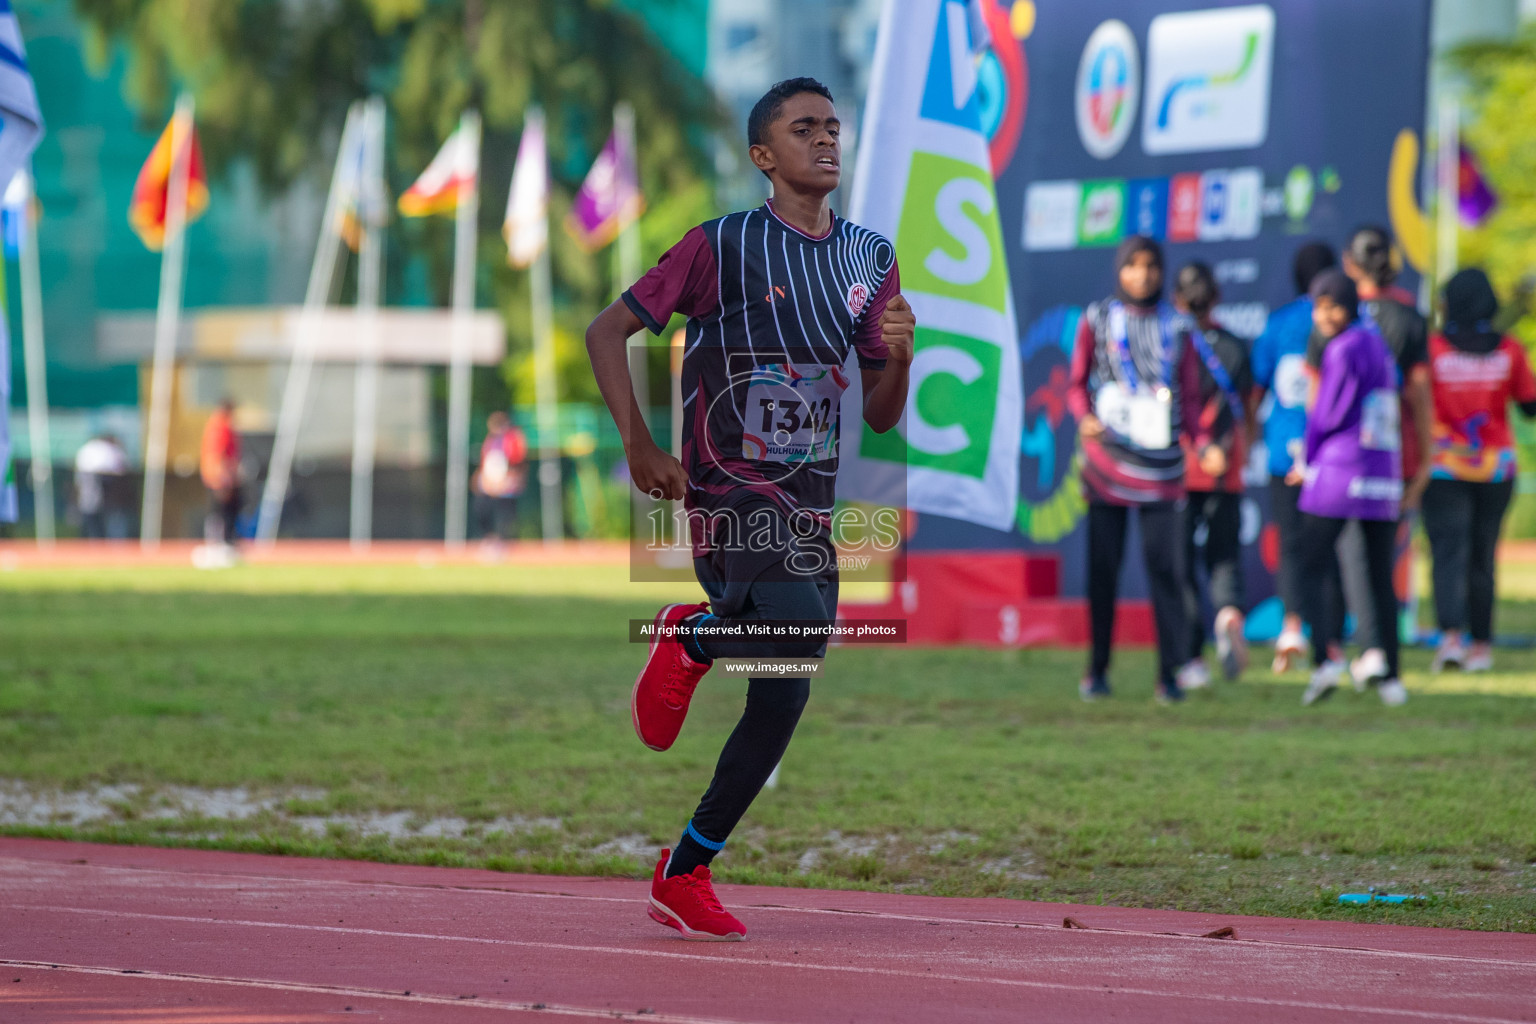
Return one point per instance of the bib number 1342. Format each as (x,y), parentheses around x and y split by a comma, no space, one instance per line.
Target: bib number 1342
(791,413)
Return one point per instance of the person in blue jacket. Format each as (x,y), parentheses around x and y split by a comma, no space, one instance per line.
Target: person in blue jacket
(1280,370)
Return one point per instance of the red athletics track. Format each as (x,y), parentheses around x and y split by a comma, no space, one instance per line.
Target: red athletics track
(93,934)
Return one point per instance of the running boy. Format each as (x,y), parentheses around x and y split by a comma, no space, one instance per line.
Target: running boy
(776,298)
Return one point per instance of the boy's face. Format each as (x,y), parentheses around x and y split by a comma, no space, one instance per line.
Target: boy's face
(1329,317)
(804,150)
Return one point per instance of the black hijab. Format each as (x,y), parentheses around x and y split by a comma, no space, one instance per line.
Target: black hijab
(1335,285)
(1470,307)
(1123,255)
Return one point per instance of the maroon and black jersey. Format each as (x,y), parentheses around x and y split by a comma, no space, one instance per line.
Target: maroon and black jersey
(772,314)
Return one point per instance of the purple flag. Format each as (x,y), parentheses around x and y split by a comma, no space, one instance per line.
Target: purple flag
(1474,197)
(610,199)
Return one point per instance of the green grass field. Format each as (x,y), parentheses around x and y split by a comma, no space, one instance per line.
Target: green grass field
(479,716)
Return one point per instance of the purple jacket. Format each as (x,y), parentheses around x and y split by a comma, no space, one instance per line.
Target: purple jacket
(1353,454)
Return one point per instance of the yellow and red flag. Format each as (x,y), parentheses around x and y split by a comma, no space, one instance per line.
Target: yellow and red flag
(146,210)
(447,179)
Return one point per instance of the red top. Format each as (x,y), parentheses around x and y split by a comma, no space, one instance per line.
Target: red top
(220,452)
(1472,391)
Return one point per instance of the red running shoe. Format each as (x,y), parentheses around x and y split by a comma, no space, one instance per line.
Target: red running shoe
(665,685)
(688,903)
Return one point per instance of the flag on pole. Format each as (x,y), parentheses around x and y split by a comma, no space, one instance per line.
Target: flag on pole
(21,122)
(15,208)
(1475,197)
(13,213)
(924,180)
(146,210)
(21,126)
(526,225)
(349,187)
(609,200)
(447,179)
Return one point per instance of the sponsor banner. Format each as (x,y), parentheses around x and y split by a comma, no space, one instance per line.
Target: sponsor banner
(1232,133)
(925,180)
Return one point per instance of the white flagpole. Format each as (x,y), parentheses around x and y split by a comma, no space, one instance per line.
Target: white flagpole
(167,323)
(551,503)
(467,214)
(365,399)
(36,369)
(1448,211)
(291,413)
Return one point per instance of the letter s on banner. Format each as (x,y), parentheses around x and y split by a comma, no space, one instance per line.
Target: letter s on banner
(949,208)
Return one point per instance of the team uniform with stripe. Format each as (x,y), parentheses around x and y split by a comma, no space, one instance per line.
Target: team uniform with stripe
(772,315)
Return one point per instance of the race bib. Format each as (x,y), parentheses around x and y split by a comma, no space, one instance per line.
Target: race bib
(791,412)
(1291,383)
(1380,423)
(1144,419)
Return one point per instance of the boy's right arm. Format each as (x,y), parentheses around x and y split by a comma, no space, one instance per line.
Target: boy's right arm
(654,471)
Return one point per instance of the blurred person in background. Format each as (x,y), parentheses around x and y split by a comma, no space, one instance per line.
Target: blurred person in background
(1213,479)
(1280,371)
(220,469)
(1389,311)
(1135,391)
(1352,473)
(101,467)
(1475,373)
(500,478)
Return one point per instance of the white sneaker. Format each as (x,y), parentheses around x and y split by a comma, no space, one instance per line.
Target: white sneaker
(1450,653)
(1325,679)
(1370,667)
(1290,646)
(1231,645)
(1392,692)
(1193,676)
(1478,660)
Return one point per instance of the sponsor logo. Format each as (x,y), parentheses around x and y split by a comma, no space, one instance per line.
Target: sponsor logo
(1208,80)
(1108,89)
(858,295)
(1103,217)
(1230,204)
(1146,207)
(1184,206)
(1300,190)
(1050,215)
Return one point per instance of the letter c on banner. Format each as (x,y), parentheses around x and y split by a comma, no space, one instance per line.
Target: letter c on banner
(949,208)
(925,436)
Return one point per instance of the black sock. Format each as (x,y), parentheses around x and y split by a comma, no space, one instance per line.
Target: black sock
(689,853)
(690,638)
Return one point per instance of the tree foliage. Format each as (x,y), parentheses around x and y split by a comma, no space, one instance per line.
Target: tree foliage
(273,78)
(1500,126)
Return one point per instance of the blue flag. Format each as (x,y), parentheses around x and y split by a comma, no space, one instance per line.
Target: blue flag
(21,125)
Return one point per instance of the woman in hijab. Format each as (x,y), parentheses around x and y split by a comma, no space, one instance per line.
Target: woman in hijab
(1353,471)
(1475,372)
(1135,394)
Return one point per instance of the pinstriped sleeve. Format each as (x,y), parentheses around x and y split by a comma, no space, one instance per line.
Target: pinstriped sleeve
(866,339)
(684,281)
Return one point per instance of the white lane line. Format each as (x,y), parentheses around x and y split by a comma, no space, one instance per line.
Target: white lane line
(489,890)
(719,960)
(648,1017)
